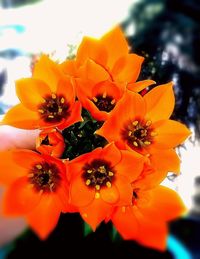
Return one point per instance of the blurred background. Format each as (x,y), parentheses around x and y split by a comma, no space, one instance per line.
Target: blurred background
(167,34)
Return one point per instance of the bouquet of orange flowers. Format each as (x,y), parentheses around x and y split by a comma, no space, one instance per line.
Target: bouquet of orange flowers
(104,145)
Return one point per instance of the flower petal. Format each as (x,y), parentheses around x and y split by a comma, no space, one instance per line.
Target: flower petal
(129,107)
(9,170)
(43,219)
(165,205)
(21,117)
(110,195)
(74,117)
(96,212)
(26,158)
(48,71)
(152,233)
(158,161)
(31,92)
(91,70)
(140,85)
(114,50)
(125,190)
(110,153)
(160,102)
(131,165)
(69,68)
(93,49)
(125,222)
(66,89)
(127,68)
(20,198)
(80,194)
(169,134)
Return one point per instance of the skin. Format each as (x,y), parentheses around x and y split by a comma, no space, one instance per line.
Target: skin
(11,138)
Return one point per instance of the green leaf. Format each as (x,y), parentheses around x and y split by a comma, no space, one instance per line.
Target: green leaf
(86,229)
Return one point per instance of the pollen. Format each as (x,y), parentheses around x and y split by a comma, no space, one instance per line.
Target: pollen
(53,96)
(44,177)
(135,143)
(102,169)
(41,111)
(62,100)
(113,101)
(95,99)
(147,142)
(39,166)
(135,123)
(104,95)
(59,110)
(153,133)
(110,173)
(148,123)
(97,187)
(97,174)
(108,184)
(54,109)
(97,195)
(88,182)
(130,133)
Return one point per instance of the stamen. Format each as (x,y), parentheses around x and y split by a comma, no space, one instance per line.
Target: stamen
(97,195)
(59,110)
(110,173)
(102,169)
(51,187)
(53,96)
(51,116)
(62,100)
(135,143)
(95,99)
(113,101)
(38,166)
(108,184)
(30,175)
(130,133)
(153,133)
(88,182)
(104,95)
(89,171)
(97,187)
(147,142)
(41,111)
(135,123)
(148,123)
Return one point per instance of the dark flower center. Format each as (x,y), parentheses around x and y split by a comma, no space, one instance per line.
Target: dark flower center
(104,102)
(45,177)
(98,173)
(54,108)
(45,141)
(138,134)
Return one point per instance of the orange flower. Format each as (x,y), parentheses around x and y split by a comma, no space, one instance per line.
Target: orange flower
(47,99)
(101,179)
(141,123)
(107,59)
(99,99)
(156,168)
(50,142)
(146,219)
(36,188)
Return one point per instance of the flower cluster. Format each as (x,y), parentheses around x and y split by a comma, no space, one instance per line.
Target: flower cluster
(103,149)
